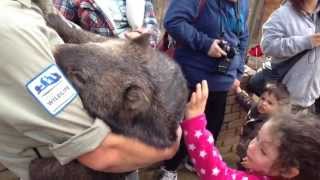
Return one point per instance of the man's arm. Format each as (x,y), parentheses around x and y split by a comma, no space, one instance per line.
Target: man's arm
(278,41)
(122,154)
(116,153)
(69,32)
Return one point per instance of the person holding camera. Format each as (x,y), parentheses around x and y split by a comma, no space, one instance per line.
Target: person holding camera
(62,129)
(212,42)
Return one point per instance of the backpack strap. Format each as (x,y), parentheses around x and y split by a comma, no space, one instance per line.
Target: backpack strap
(36,151)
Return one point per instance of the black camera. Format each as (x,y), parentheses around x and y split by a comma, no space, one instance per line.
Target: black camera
(226,60)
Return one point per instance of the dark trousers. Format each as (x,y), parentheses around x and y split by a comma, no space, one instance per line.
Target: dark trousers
(215,114)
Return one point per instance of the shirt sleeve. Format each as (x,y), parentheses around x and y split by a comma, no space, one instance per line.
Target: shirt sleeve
(86,141)
(276,41)
(244,100)
(25,49)
(205,157)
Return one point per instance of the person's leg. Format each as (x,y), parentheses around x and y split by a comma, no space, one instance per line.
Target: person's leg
(215,111)
(172,164)
(317,106)
(133,176)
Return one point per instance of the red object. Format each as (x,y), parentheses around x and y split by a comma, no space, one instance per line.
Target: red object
(255,51)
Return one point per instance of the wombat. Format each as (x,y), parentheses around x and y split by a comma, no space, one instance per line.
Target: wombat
(138,91)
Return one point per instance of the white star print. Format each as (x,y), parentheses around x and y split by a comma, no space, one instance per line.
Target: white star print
(185,133)
(245,178)
(215,171)
(202,171)
(203,154)
(210,140)
(191,147)
(198,134)
(214,153)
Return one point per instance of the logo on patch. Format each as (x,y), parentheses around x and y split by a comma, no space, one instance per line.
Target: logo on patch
(52,90)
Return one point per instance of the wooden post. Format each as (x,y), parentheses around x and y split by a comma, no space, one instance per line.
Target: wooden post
(160,7)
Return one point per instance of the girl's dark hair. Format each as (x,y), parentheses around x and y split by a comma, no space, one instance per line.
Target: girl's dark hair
(298,5)
(279,91)
(299,137)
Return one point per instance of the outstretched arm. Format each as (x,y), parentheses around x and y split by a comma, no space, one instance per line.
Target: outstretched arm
(121,154)
(200,143)
(71,33)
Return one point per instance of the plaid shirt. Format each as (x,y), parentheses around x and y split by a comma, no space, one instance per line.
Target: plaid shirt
(89,16)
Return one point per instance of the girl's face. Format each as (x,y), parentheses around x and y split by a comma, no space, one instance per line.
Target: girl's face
(267,103)
(262,152)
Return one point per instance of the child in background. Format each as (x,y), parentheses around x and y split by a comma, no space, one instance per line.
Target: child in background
(286,147)
(274,98)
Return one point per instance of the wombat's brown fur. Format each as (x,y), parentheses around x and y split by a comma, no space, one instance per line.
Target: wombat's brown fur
(139,92)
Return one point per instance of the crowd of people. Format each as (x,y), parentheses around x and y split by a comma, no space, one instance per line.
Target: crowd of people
(280,139)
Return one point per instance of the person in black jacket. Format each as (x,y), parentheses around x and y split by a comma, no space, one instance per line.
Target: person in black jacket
(275,98)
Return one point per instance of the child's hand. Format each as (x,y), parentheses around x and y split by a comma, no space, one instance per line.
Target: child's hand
(236,86)
(244,163)
(198,101)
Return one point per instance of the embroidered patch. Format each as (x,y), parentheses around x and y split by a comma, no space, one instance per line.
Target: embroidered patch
(52,89)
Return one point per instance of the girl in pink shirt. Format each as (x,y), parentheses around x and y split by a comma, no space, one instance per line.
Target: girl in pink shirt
(286,147)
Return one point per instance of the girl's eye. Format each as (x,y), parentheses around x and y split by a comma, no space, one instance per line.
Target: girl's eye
(270,103)
(259,145)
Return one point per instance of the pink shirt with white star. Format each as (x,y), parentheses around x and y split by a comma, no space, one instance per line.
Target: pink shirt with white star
(206,157)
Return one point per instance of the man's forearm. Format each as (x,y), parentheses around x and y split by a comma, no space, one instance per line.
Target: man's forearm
(121,154)
(71,34)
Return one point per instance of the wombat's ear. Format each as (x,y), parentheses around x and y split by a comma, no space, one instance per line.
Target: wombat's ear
(135,99)
(68,58)
(142,40)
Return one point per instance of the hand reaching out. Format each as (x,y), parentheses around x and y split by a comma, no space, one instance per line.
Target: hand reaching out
(198,100)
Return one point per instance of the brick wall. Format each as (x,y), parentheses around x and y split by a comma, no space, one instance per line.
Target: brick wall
(233,121)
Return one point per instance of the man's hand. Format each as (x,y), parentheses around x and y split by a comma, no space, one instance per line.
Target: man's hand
(136,33)
(215,51)
(122,154)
